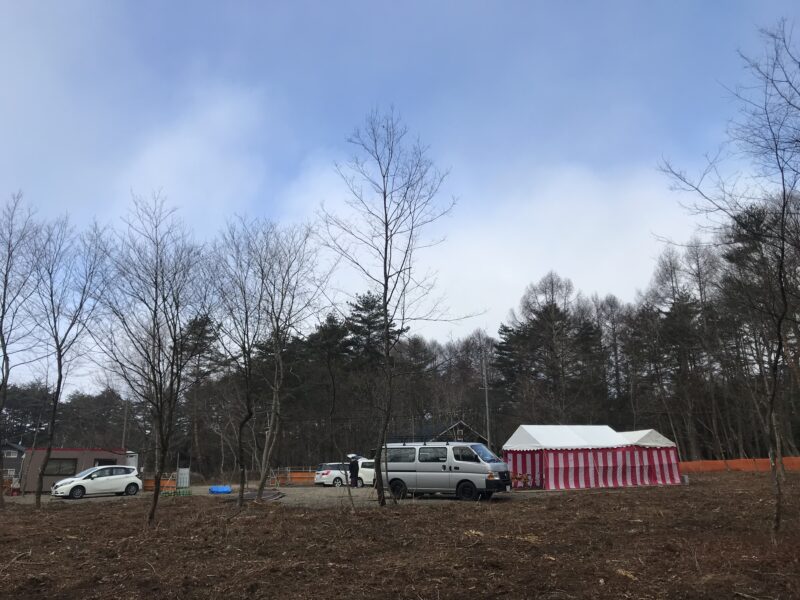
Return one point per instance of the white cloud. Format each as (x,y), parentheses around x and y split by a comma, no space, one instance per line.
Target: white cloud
(205,162)
(600,229)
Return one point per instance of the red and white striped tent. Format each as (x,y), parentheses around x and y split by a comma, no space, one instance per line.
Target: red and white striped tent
(558,457)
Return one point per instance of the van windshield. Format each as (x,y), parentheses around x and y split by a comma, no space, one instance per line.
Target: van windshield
(486,455)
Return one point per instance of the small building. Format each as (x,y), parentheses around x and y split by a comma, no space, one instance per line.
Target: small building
(65,462)
(12,459)
(557,457)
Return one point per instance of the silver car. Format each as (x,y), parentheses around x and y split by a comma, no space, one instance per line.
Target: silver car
(467,470)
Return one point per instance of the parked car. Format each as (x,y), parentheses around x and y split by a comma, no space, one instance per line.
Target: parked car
(99,480)
(467,470)
(366,472)
(335,474)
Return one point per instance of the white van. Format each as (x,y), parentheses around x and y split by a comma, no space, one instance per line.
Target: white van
(467,470)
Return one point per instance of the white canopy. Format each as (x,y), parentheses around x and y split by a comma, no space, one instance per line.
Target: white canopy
(564,437)
(647,437)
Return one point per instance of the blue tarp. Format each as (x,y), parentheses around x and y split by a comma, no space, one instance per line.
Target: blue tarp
(219,489)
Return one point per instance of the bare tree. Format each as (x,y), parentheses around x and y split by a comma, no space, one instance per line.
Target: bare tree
(241,263)
(17,231)
(69,283)
(156,292)
(767,134)
(392,186)
(293,288)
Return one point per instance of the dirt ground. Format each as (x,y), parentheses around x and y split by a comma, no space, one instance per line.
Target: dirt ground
(710,539)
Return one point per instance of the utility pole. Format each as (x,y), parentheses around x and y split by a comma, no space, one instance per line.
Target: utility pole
(485,390)
(125,424)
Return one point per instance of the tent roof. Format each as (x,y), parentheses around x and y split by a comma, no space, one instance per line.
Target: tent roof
(538,437)
(647,437)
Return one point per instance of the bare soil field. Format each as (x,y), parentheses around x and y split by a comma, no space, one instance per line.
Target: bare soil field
(710,539)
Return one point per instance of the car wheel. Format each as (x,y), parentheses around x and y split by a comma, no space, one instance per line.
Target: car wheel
(466,490)
(398,488)
(77,492)
(337,482)
(131,489)
(360,482)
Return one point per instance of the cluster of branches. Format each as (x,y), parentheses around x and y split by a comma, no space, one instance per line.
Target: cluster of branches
(143,303)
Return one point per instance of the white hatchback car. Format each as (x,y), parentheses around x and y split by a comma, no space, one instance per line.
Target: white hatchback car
(99,480)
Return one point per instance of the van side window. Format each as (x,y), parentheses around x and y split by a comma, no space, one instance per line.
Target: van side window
(464,454)
(394,455)
(436,455)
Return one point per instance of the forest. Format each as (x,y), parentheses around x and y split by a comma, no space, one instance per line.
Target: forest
(228,352)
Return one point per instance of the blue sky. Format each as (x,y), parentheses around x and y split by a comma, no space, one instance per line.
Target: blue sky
(551,117)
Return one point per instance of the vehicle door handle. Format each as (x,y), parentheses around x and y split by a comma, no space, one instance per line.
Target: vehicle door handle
(444,467)
(455,468)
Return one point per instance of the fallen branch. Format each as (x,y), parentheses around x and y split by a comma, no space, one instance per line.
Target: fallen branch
(749,597)
(15,559)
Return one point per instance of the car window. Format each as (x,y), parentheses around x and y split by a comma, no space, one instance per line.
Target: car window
(436,455)
(368,464)
(103,473)
(465,454)
(395,455)
(121,471)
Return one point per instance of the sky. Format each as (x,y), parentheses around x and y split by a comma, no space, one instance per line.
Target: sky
(550,118)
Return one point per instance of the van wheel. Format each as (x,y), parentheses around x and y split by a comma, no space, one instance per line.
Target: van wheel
(398,489)
(77,492)
(466,490)
(337,482)
(360,482)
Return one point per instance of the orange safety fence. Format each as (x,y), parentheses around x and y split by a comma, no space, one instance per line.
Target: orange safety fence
(790,463)
(296,478)
(167,485)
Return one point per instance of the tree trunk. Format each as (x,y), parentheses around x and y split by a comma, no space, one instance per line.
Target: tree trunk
(160,465)
(50,431)
(248,399)
(266,457)
(6,372)
(2,477)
